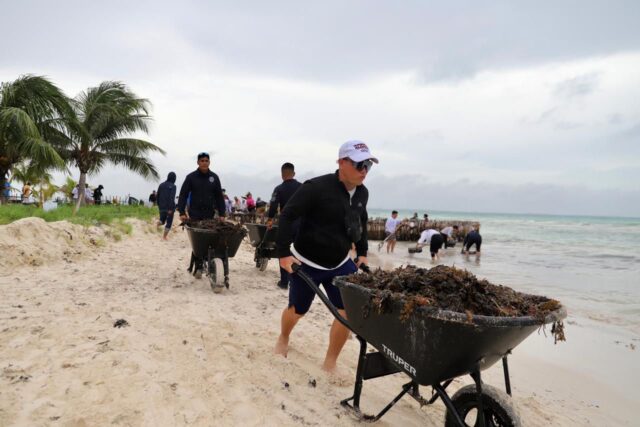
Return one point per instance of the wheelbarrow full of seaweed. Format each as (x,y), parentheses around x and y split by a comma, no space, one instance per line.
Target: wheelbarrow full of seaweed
(211,239)
(434,326)
(264,240)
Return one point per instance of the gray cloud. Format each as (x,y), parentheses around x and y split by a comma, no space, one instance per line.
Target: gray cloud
(324,41)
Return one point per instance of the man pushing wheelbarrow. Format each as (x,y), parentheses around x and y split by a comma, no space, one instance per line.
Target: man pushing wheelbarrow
(333,215)
(206,197)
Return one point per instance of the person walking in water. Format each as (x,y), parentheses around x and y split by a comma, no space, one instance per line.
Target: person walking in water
(332,210)
(166,198)
(281,195)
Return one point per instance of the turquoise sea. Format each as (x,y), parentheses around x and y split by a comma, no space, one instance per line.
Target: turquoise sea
(591,264)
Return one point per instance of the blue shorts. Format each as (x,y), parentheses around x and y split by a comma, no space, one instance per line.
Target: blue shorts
(301,295)
(166,219)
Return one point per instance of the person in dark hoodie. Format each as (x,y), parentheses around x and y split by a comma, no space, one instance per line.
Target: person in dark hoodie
(206,197)
(166,198)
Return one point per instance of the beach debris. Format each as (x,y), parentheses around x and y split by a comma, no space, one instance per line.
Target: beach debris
(120,323)
(184,342)
(453,289)
(173,386)
(286,385)
(312,382)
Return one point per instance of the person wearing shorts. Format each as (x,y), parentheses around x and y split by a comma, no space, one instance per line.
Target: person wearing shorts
(434,239)
(390,227)
(332,211)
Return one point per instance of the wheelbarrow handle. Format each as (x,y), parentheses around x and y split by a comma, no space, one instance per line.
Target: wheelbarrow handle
(309,281)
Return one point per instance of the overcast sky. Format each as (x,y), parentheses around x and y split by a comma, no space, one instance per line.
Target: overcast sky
(472,106)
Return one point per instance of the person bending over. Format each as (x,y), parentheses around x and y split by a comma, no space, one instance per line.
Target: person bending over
(434,239)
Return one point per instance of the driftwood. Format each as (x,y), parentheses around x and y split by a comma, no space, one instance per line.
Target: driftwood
(410,229)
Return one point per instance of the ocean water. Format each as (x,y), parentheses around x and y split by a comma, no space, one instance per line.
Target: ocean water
(590,264)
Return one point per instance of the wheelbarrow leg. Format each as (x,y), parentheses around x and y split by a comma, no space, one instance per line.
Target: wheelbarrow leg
(478,380)
(357,388)
(225,266)
(507,380)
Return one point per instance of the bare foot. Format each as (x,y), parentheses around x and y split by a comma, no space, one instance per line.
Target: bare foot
(337,377)
(282,346)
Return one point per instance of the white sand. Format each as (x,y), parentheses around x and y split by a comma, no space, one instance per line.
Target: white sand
(192,357)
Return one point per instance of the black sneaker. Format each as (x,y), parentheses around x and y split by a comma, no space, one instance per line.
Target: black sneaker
(283,285)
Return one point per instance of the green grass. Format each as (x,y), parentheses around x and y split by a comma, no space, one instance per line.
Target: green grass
(87,215)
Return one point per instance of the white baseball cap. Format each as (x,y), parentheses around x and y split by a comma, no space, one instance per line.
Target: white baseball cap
(356,151)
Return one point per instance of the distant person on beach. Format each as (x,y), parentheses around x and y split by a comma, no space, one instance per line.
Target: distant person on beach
(251,204)
(97,194)
(390,227)
(166,203)
(237,205)
(332,210)
(206,198)
(153,198)
(281,195)
(447,233)
(228,205)
(88,194)
(434,239)
(74,193)
(473,237)
(27,194)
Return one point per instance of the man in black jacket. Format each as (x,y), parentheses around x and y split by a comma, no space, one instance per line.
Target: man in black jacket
(167,203)
(281,195)
(332,210)
(206,197)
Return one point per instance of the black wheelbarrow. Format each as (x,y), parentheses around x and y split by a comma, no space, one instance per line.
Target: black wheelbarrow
(433,347)
(264,240)
(210,244)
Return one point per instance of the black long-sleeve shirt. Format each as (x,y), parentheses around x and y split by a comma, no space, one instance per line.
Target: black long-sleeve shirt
(321,204)
(206,195)
(281,195)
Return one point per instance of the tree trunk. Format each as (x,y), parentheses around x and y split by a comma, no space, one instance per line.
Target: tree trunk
(81,189)
(41,194)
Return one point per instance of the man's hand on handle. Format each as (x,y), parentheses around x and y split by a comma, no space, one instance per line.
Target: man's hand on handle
(287,261)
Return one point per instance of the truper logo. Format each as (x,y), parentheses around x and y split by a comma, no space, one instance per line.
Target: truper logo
(398,360)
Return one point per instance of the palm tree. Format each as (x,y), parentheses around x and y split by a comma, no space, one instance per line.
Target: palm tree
(32,109)
(100,133)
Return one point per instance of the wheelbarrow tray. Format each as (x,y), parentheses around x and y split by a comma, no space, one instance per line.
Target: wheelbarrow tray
(223,245)
(263,238)
(435,345)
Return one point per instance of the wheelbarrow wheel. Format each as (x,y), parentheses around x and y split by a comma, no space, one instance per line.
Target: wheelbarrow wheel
(499,410)
(262,263)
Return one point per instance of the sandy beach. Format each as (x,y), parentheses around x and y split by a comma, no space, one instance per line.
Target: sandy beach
(192,357)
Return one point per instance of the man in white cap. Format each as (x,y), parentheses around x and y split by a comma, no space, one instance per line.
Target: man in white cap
(333,215)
